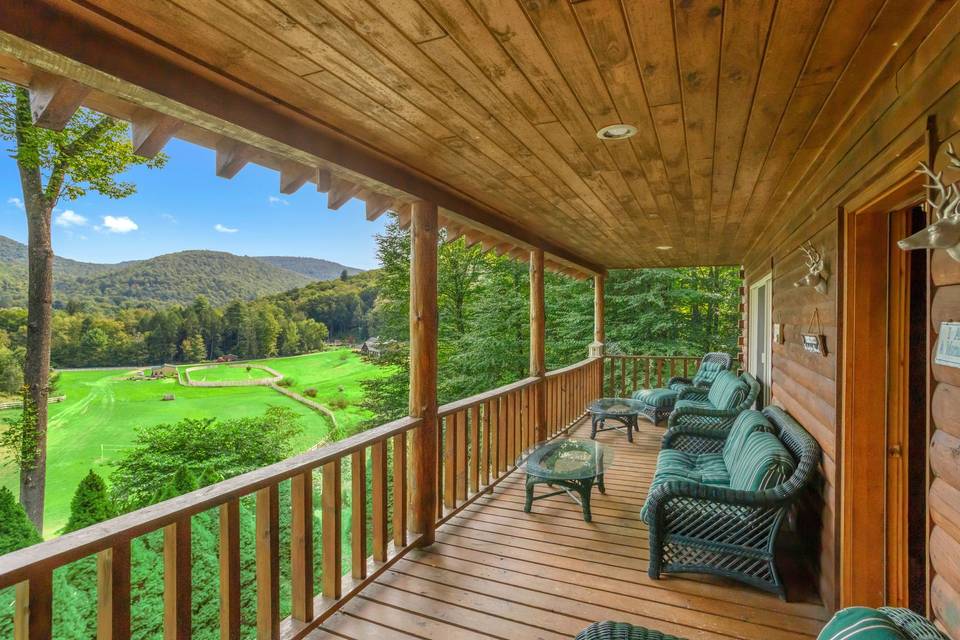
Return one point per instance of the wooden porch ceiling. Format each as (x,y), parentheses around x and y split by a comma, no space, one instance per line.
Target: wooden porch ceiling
(497,102)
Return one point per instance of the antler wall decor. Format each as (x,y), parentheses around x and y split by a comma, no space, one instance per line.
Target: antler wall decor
(816,270)
(943,202)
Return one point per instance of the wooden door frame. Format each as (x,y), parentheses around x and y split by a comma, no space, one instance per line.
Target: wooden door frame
(863,509)
(766,279)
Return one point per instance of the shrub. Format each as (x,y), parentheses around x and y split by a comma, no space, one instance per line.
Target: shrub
(344,356)
(311,392)
(90,504)
(340,403)
(285,382)
(248,368)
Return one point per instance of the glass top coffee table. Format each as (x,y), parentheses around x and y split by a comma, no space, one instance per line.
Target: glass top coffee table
(622,410)
(571,464)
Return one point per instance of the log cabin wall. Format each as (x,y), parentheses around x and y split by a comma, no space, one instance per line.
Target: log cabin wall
(944,495)
(804,384)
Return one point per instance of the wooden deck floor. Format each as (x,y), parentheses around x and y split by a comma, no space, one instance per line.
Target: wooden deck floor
(496,572)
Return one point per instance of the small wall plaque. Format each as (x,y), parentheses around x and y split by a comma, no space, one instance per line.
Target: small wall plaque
(814,343)
(777,333)
(948,345)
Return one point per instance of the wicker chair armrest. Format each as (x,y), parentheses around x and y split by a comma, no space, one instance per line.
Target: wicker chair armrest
(661,496)
(685,431)
(693,393)
(680,380)
(676,416)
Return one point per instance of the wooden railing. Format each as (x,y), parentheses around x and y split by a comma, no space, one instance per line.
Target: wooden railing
(625,374)
(481,439)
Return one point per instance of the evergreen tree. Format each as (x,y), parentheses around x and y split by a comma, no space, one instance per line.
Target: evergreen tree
(90,504)
(16,530)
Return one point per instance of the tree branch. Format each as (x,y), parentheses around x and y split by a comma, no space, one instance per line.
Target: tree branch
(64,157)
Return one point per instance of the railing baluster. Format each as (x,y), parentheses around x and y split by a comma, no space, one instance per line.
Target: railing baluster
(268,562)
(378,462)
(488,442)
(301,545)
(358,514)
(502,449)
(659,372)
(113,592)
(330,500)
(439,463)
(475,447)
(230,570)
(511,429)
(623,377)
(634,384)
(177,582)
(33,608)
(400,490)
(449,463)
(460,422)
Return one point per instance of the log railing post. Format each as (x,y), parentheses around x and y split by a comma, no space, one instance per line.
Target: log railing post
(423,369)
(538,366)
(599,326)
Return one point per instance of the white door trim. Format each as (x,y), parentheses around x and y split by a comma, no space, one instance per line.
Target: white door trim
(752,330)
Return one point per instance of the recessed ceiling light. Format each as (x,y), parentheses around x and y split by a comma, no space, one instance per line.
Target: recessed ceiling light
(664,247)
(618,131)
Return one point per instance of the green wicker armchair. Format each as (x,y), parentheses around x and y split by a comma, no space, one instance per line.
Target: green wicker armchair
(848,624)
(717,407)
(719,496)
(844,625)
(658,403)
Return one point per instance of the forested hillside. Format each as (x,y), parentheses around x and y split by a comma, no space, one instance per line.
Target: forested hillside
(175,278)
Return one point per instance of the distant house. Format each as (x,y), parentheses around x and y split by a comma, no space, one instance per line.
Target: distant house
(227,357)
(372,347)
(163,371)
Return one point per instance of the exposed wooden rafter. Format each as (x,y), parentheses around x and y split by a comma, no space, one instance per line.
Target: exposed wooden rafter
(340,192)
(54,99)
(376,206)
(231,157)
(151,131)
(294,176)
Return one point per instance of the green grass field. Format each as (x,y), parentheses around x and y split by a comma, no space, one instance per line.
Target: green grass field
(225,373)
(98,419)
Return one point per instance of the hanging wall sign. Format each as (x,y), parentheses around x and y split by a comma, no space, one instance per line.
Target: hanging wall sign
(948,345)
(814,342)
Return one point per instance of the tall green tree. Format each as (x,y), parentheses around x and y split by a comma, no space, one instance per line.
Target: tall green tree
(87,155)
(90,504)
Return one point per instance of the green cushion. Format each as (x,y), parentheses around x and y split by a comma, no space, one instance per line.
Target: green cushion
(693,404)
(707,373)
(746,423)
(727,391)
(762,463)
(703,468)
(659,398)
(860,623)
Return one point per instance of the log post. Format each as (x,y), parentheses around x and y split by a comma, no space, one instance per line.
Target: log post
(538,365)
(599,328)
(423,369)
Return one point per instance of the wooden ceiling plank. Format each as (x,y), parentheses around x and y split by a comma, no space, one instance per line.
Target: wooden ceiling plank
(151,131)
(294,176)
(698,33)
(54,99)
(376,205)
(410,18)
(232,156)
(341,192)
(651,25)
(746,26)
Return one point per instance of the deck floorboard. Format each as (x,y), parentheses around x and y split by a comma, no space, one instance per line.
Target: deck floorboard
(497,572)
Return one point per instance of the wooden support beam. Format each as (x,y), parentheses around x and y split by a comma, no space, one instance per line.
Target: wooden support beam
(54,100)
(33,608)
(538,367)
(113,593)
(423,369)
(177,581)
(340,192)
(502,248)
(324,178)
(230,570)
(231,157)
(301,545)
(453,233)
(377,205)
(268,562)
(151,131)
(294,176)
(358,514)
(331,530)
(378,464)
(487,244)
(599,310)
(471,237)
(404,215)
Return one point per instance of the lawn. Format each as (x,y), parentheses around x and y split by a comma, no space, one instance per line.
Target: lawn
(103,409)
(229,373)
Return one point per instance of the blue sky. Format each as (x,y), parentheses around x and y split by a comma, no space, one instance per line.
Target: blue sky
(186,206)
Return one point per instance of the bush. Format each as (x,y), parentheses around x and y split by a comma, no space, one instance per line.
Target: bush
(248,368)
(91,503)
(344,356)
(340,403)
(285,382)
(311,392)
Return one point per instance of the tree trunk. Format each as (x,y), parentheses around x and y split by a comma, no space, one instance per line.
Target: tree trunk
(36,368)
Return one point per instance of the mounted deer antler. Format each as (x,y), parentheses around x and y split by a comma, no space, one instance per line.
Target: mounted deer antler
(943,202)
(816,270)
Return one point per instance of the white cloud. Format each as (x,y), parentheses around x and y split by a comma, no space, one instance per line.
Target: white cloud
(70,218)
(222,229)
(275,200)
(119,224)
(169,218)
(17,202)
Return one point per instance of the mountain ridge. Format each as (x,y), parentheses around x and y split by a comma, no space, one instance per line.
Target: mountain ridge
(172,278)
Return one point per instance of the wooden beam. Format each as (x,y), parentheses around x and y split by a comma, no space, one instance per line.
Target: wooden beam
(230,570)
(301,546)
(377,205)
(423,369)
(268,562)
(231,157)
(54,99)
(110,57)
(177,581)
(340,192)
(538,358)
(453,233)
(599,309)
(323,180)
(330,530)
(294,176)
(113,593)
(33,608)
(151,131)
(404,215)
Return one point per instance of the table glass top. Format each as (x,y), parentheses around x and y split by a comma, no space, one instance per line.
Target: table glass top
(567,459)
(615,406)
